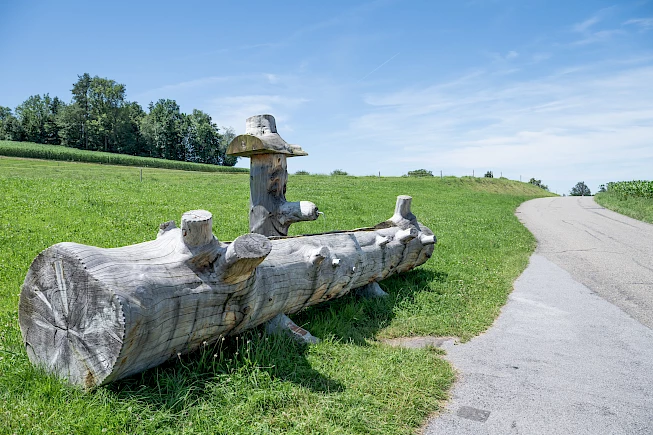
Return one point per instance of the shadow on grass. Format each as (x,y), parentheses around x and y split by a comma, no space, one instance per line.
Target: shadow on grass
(258,359)
(356,319)
(253,359)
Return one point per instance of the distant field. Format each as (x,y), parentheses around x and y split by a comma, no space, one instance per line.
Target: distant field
(254,384)
(630,198)
(54,152)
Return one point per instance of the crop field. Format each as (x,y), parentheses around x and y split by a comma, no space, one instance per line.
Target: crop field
(631,198)
(56,152)
(349,383)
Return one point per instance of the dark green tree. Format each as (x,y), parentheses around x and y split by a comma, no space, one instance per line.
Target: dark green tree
(98,117)
(129,139)
(162,130)
(36,116)
(580,189)
(489,174)
(227,136)
(82,111)
(10,128)
(201,138)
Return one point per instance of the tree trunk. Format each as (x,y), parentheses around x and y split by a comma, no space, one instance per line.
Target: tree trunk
(94,315)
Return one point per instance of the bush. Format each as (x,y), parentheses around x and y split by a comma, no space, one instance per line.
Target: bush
(339,172)
(489,174)
(420,173)
(302,173)
(538,183)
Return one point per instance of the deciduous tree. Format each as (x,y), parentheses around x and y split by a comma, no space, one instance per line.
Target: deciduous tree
(580,189)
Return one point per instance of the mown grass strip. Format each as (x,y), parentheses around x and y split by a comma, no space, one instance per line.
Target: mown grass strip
(55,152)
(254,384)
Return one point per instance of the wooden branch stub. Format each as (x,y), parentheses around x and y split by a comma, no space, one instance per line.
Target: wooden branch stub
(197,227)
(282,324)
(403,217)
(371,290)
(243,255)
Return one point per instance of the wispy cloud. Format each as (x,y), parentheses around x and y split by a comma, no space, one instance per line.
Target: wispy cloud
(587,116)
(644,23)
(584,26)
(600,36)
(591,36)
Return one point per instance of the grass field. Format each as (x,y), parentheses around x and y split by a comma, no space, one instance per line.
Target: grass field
(254,384)
(635,207)
(61,153)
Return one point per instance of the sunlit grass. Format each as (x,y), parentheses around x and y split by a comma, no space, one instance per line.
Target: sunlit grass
(636,207)
(255,384)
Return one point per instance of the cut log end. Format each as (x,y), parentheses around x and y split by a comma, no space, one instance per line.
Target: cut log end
(72,325)
(243,255)
(197,227)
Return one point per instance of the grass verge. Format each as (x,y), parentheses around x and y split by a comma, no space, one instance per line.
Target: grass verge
(55,152)
(255,384)
(632,206)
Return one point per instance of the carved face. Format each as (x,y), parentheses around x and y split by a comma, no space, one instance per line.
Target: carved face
(278,177)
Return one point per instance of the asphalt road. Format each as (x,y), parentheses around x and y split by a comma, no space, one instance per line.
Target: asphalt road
(571,352)
(608,252)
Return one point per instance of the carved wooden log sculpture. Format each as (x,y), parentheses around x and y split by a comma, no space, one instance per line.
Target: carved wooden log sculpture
(95,315)
(269,213)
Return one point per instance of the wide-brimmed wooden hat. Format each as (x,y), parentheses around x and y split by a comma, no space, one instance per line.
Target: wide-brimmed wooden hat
(261,137)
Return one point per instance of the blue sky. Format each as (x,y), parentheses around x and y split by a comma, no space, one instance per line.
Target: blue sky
(557,90)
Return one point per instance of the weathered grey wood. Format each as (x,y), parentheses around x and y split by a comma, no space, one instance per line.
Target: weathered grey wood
(196,227)
(282,324)
(371,290)
(261,137)
(94,315)
(269,213)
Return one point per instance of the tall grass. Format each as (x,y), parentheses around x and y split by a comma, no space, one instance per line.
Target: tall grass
(636,188)
(630,198)
(55,152)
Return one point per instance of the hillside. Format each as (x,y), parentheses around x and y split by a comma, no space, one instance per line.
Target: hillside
(349,383)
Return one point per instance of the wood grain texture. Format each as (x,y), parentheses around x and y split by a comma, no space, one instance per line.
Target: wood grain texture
(269,212)
(94,315)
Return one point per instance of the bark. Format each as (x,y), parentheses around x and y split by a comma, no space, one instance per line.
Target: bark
(94,315)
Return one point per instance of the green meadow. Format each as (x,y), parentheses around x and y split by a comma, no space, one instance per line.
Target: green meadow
(349,383)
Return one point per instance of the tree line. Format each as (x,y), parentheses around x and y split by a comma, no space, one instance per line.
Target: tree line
(100,118)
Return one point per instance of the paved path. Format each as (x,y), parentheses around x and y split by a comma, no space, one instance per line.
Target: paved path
(610,253)
(561,359)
